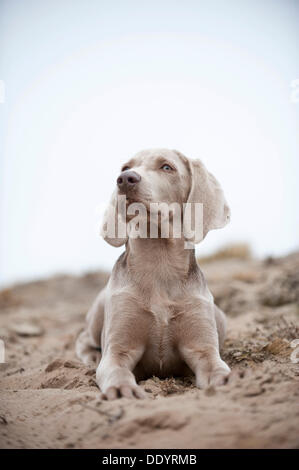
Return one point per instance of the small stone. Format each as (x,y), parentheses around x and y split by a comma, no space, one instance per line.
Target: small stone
(27,329)
(54,365)
(3,420)
(237,354)
(72,364)
(254,391)
(210,391)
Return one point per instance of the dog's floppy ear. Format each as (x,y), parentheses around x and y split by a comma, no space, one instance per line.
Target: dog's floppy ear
(114,229)
(205,189)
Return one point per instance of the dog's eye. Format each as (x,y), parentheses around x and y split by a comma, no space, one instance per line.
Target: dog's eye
(125,168)
(166,167)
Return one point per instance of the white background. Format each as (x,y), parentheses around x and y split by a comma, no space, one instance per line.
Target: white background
(89,83)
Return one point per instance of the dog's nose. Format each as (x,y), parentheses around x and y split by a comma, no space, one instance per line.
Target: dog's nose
(128,179)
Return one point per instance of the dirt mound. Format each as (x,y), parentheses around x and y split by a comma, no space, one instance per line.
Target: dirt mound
(49,399)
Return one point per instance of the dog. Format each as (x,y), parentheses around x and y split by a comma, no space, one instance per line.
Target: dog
(156,316)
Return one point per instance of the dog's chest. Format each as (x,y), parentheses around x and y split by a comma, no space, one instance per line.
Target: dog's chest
(163,305)
(161,350)
(161,314)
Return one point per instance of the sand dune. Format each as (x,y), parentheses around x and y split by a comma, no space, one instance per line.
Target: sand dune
(48,399)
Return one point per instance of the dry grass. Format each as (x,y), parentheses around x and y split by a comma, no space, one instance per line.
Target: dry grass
(237,251)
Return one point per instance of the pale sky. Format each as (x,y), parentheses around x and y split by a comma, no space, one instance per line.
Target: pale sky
(89,83)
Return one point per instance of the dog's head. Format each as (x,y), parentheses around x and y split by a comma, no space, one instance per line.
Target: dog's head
(167,176)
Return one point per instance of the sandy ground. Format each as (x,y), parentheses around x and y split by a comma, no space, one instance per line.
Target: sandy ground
(50,400)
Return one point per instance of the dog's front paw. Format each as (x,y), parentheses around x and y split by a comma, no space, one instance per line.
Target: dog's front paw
(214,377)
(123,391)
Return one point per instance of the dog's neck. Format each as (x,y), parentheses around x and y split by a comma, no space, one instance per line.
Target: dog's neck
(164,258)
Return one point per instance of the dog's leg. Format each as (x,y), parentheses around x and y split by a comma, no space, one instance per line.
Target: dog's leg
(221,325)
(88,344)
(124,342)
(85,351)
(199,345)
(114,373)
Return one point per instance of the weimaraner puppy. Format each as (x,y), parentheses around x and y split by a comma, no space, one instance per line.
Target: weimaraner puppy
(156,316)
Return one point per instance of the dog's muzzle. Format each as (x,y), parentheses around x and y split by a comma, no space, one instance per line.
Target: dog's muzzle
(127,181)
